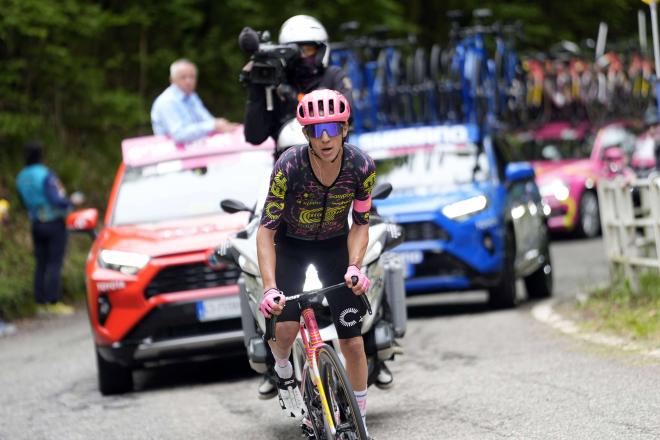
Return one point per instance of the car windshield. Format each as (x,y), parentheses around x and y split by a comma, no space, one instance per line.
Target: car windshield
(429,170)
(191,187)
(555,149)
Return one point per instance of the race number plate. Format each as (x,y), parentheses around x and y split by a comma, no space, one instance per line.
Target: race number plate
(219,308)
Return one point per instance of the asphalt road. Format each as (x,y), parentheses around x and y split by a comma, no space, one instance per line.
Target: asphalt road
(467,373)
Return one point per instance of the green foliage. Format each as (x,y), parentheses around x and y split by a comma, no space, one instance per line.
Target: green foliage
(619,309)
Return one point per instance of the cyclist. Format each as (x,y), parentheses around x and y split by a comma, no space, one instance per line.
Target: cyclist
(310,72)
(305,221)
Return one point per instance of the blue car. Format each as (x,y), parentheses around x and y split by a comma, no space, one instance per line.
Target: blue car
(472,220)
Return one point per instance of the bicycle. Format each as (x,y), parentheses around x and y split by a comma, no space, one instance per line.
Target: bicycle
(332,409)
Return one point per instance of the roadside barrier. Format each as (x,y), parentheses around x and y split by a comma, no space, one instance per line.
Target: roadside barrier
(630,221)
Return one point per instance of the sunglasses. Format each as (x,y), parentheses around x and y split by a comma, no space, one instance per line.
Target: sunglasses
(332,128)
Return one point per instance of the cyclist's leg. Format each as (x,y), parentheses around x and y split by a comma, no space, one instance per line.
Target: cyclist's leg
(290,277)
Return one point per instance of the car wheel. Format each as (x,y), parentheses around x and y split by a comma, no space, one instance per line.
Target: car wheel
(589,216)
(113,378)
(539,284)
(503,295)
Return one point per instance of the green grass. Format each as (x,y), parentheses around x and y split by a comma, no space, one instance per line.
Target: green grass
(620,310)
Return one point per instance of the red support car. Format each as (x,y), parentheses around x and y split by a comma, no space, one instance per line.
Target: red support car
(151,294)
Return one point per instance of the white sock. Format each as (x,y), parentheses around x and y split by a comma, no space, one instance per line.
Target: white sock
(283,368)
(361,397)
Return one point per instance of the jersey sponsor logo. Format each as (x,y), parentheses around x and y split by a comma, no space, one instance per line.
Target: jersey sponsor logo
(278,187)
(274,206)
(314,215)
(342,196)
(369,182)
(345,314)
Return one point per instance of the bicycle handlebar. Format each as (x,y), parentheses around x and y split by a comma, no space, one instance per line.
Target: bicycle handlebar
(272,321)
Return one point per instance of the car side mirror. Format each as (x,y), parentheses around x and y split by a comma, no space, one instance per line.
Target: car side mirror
(232,206)
(381,191)
(519,171)
(83,220)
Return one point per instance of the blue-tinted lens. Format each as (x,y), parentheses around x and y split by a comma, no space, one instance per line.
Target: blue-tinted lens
(332,128)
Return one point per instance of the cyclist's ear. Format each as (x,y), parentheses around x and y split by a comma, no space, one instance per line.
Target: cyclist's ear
(344,129)
(304,130)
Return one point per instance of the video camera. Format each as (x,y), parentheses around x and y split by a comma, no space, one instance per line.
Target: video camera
(269,61)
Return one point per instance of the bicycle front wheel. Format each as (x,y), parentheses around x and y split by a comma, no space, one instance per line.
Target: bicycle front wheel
(339,394)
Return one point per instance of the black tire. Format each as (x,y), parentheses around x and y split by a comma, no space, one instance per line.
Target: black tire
(112,377)
(588,215)
(539,284)
(504,294)
(314,408)
(340,395)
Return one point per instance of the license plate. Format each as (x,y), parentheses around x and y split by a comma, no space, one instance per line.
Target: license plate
(411,257)
(219,308)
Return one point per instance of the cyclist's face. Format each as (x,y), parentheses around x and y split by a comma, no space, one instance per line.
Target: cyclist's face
(185,78)
(307,50)
(327,147)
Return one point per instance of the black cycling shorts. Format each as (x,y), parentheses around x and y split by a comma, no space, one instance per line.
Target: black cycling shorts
(330,258)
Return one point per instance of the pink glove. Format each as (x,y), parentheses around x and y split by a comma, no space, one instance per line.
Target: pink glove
(268,301)
(363,282)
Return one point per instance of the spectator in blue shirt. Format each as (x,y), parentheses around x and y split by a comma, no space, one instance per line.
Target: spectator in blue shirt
(179,113)
(45,199)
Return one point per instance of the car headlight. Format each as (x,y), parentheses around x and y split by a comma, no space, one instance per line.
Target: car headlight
(465,208)
(557,189)
(125,262)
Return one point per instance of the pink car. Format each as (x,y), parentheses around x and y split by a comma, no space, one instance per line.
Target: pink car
(569,160)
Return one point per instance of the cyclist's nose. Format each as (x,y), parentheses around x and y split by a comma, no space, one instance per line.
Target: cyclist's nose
(325,137)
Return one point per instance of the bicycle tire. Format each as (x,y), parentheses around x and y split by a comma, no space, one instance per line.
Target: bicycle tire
(312,401)
(340,395)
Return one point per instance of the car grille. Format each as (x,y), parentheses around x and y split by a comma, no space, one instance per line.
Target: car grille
(424,231)
(190,277)
(440,264)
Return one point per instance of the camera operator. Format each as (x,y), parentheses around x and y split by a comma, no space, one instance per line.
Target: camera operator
(308,70)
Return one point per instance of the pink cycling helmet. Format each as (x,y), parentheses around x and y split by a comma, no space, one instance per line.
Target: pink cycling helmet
(322,106)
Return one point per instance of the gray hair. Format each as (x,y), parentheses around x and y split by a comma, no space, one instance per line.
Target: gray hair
(175,66)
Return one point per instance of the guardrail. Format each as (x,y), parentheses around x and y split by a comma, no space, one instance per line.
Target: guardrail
(630,221)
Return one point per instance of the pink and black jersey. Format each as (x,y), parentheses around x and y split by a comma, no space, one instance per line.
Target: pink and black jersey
(303,208)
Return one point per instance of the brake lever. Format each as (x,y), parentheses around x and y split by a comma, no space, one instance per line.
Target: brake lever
(270,324)
(363,297)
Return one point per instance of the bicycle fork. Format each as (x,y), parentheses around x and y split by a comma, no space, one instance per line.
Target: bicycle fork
(311,345)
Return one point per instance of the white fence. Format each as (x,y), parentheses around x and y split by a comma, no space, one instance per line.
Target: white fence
(630,220)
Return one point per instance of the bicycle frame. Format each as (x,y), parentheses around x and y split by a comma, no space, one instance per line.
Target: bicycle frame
(311,337)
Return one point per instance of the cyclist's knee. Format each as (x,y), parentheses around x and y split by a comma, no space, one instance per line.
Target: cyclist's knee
(286,332)
(352,346)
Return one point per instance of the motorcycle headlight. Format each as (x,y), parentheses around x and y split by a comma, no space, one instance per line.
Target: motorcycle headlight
(465,208)
(556,189)
(125,262)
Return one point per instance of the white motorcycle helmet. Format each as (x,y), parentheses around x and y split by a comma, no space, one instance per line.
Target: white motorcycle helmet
(305,29)
(290,134)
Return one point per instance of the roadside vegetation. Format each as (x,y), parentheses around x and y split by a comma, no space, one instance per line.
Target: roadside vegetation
(625,312)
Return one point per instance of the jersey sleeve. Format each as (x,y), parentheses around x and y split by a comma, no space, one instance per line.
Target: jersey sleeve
(366,180)
(274,204)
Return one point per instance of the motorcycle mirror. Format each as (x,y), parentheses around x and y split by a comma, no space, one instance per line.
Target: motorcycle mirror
(381,191)
(232,206)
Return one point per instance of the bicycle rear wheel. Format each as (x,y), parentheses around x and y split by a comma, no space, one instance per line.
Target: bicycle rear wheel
(340,396)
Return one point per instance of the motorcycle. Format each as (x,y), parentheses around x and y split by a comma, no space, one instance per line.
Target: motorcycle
(381,330)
